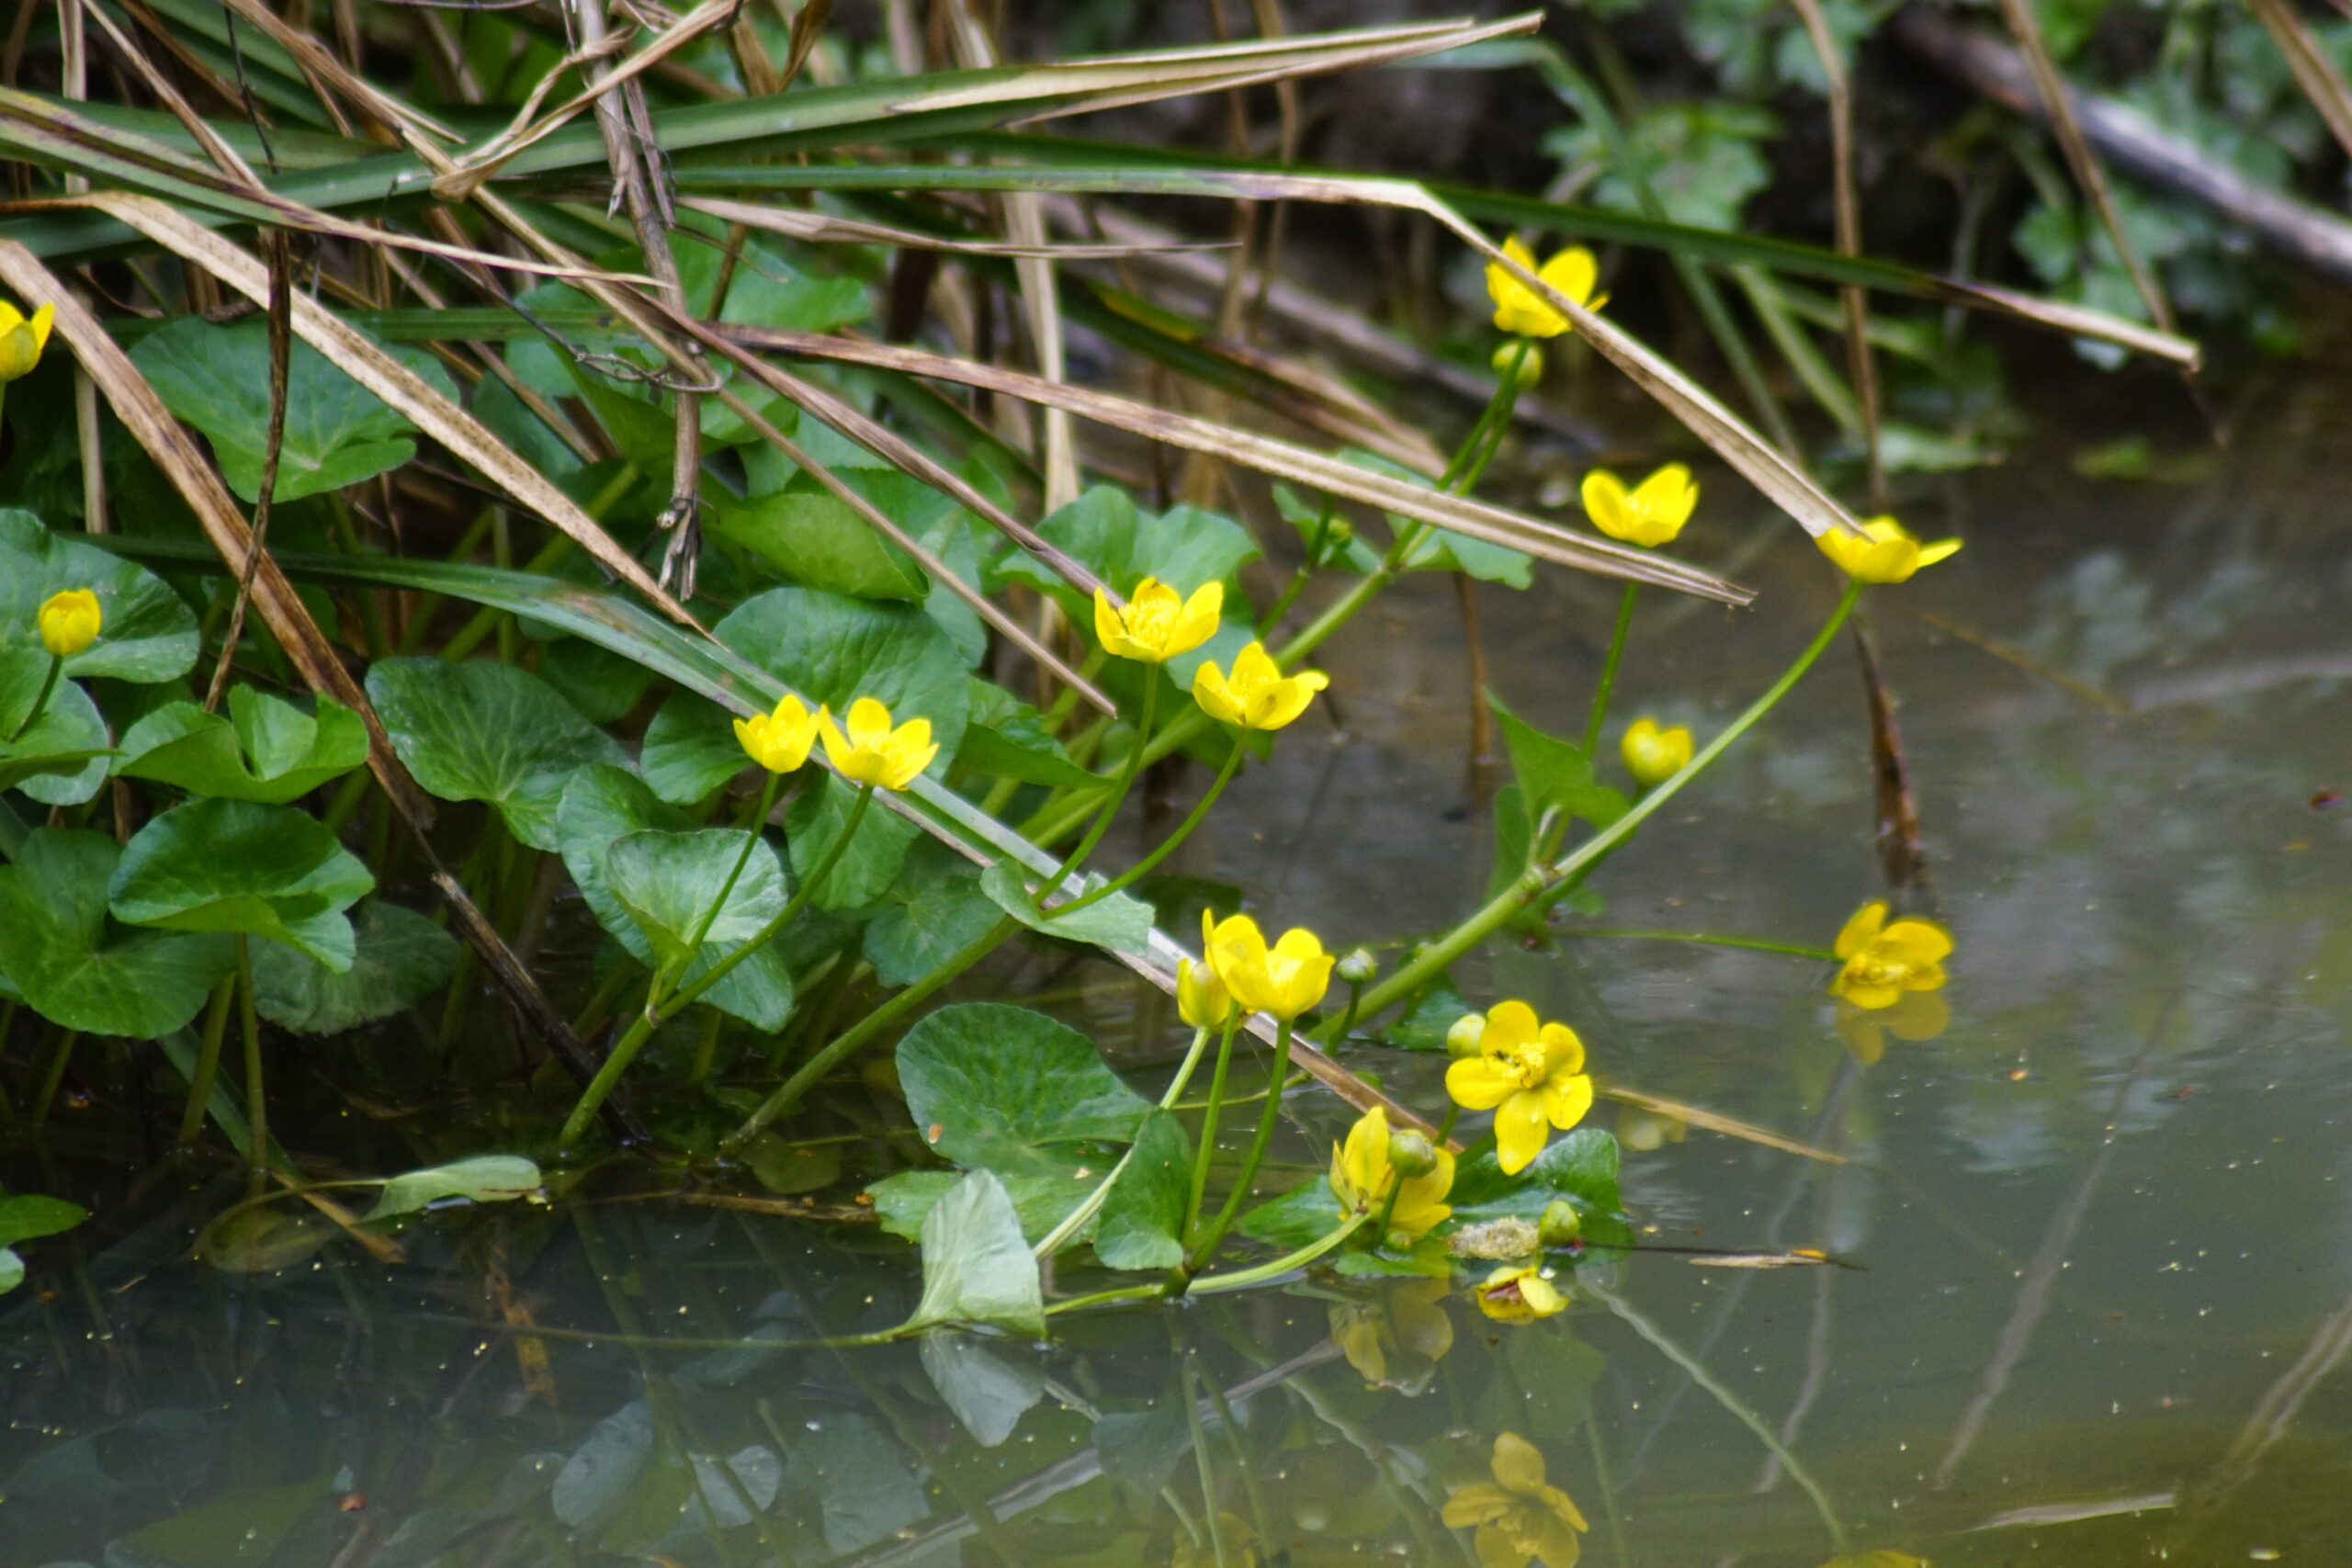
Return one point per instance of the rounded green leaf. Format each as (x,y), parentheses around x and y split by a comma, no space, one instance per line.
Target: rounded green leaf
(690,750)
(1118,922)
(28,1216)
(1006,1089)
(146,633)
(670,882)
(488,731)
(233,865)
(869,866)
(605,804)
(336,432)
(81,970)
(834,649)
(61,756)
(401,959)
(1142,1221)
(805,533)
(1184,548)
(931,913)
(1580,1165)
(267,749)
(975,1264)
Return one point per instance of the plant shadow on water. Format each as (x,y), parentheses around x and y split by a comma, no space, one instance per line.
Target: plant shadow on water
(2092,1205)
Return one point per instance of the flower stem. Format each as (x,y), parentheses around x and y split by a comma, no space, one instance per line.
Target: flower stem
(858,1033)
(1609,672)
(734,875)
(256,1100)
(208,1061)
(48,685)
(1206,1248)
(1532,884)
(1168,846)
(658,1011)
(1214,1284)
(1207,1147)
(1127,772)
(54,1077)
(1075,1221)
(1711,939)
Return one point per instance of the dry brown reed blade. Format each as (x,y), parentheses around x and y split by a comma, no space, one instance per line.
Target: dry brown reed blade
(1279,458)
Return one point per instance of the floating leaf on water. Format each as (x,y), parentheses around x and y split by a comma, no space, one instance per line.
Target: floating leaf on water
(265,1240)
(976,1266)
(483,1178)
(1142,1221)
(1006,1089)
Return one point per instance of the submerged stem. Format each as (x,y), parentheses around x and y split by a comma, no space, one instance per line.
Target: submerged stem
(1537,880)
(208,1061)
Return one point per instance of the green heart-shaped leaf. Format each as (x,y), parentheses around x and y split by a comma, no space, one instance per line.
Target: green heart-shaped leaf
(488,731)
(233,865)
(975,1264)
(932,912)
(81,970)
(401,959)
(267,749)
(834,649)
(59,759)
(146,634)
(1184,547)
(1142,1221)
(669,883)
(605,804)
(1006,1089)
(1579,1165)
(336,434)
(871,862)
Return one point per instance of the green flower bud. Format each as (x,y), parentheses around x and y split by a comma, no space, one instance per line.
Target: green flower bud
(1530,369)
(1463,1039)
(1561,1224)
(1358,966)
(1411,1153)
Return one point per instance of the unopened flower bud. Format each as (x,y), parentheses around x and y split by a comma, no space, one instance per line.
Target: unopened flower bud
(1411,1153)
(1463,1039)
(1561,1224)
(1530,369)
(1358,966)
(1201,997)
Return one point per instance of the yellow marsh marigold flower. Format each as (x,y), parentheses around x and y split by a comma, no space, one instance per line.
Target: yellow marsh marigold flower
(1258,695)
(1652,512)
(1528,1073)
(872,753)
(1285,979)
(1915,1016)
(1361,1177)
(1241,1546)
(1519,1294)
(779,741)
(1201,998)
(22,339)
(70,621)
(1653,755)
(1884,552)
(1396,1337)
(1883,959)
(1520,309)
(1520,1518)
(1156,625)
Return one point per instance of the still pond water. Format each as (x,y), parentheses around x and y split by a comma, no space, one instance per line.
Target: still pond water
(2101,1225)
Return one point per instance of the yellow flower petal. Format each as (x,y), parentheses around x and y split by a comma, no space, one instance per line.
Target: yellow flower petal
(1518,1464)
(1862,930)
(1476,1505)
(1479,1083)
(1520,1130)
(69,621)
(1567,1100)
(1510,1024)
(1915,942)
(1563,1050)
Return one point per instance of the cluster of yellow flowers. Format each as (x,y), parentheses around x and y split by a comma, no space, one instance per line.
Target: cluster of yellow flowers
(869,750)
(1157,624)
